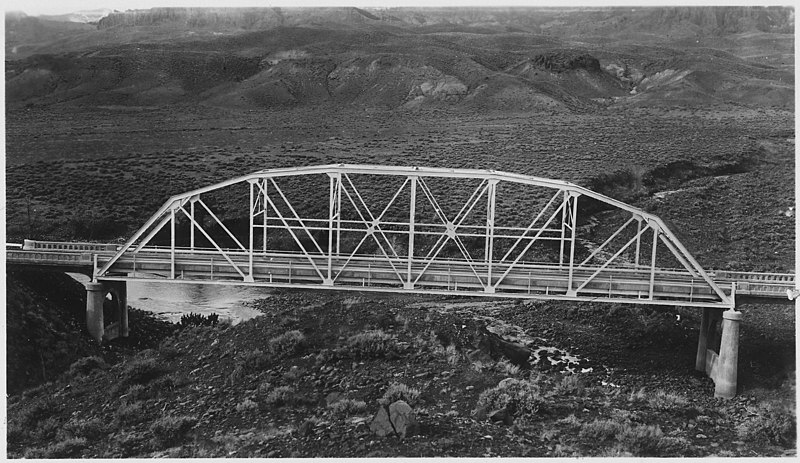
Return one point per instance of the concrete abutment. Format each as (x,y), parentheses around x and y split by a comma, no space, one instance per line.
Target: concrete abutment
(107,310)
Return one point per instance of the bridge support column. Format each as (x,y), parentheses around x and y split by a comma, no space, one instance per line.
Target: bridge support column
(95,296)
(707,341)
(120,291)
(720,365)
(726,372)
(99,308)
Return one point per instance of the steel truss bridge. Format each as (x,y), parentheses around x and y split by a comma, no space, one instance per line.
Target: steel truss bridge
(412,229)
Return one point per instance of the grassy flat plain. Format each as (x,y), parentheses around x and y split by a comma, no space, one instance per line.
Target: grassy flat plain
(104,125)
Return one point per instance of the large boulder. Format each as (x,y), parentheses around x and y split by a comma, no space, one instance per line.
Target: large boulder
(398,418)
(402,417)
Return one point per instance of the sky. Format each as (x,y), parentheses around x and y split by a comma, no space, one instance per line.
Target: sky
(40,7)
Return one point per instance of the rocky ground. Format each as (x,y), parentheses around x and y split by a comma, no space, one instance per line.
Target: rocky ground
(327,375)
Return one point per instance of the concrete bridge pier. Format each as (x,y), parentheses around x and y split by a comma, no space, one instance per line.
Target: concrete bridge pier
(718,349)
(107,310)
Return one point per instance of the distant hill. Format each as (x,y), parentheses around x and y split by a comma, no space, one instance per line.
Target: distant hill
(83,16)
(483,58)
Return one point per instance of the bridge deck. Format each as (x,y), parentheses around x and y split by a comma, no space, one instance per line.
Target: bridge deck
(549,281)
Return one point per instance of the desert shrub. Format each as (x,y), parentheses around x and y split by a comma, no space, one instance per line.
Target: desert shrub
(280,396)
(480,366)
(128,414)
(16,433)
(196,319)
(519,397)
(662,400)
(286,344)
(569,385)
(570,420)
(127,444)
(168,352)
(372,344)
(399,391)
(638,396)
(649,441)
(452,355)
(68,448)
(141,371)
(600,430)
(347,407)
(252,361)
(507,368)
(33,412)
(46,430)
(636,440)
(86,365)
(774,424)
(170,430)
(137,392)
(91,429)
(246,405)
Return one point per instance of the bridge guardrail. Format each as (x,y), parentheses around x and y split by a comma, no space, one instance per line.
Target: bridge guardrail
(758,284)
(55,258)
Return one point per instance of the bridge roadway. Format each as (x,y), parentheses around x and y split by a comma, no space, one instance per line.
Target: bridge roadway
(373,273)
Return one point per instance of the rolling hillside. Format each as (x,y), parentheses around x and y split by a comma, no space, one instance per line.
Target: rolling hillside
(523,59)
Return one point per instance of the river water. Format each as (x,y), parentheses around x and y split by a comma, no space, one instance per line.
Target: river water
(170,301)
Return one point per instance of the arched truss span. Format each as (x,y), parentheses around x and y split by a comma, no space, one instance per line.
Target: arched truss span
(415,229)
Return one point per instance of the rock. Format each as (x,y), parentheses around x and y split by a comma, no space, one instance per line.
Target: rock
(502,415)
(333,397)
(402,418)
(381,425)
(306,429)
(480,413)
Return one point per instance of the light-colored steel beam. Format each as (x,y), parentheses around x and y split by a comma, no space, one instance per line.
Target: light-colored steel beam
(213,243)
(530,243)
(653,260)
(608,240)
(371,226)
(489,246)
(606,264)
(296,217)
(573,239)
(412,211)
(294,236)
(530,227)
(221,225)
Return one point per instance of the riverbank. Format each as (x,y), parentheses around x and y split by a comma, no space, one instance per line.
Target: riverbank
(310,377)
